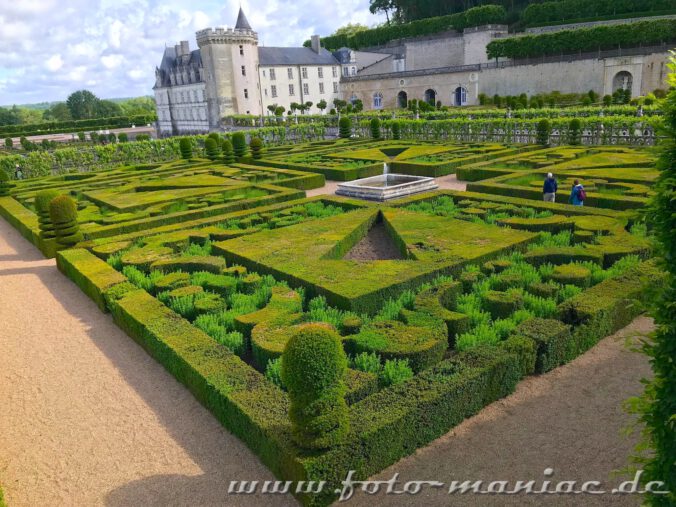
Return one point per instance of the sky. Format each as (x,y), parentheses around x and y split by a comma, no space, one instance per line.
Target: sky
(51,48)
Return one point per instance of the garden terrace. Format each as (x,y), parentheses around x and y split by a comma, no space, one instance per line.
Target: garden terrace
(458,296)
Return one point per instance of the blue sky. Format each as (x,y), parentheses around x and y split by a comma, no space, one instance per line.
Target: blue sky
(50,48)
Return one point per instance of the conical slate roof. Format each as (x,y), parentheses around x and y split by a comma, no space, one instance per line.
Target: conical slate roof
(242,22)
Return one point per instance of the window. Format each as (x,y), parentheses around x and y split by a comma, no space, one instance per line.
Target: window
(335,87)
(241,50)
(289,72)
(306,89)
(246,93)
(303,72)
(377,100)
(334,70)
(263,72)
(273,90)
(346,71)
(265,90)
(272,75)
(243,70)
(353,71)
(320,72)
(321,87)
(291,91)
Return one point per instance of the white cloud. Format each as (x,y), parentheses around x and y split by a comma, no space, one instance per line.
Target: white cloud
(113,46)
(54,63)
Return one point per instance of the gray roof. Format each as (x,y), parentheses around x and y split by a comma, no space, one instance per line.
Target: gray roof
(170,62)
(242,22)
(295,56)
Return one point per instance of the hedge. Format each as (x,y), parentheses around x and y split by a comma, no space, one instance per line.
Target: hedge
(584,39)
(571,10)
(31,129)
(476,16)
(551,338)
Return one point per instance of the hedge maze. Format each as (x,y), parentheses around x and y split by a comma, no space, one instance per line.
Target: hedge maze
(214,269)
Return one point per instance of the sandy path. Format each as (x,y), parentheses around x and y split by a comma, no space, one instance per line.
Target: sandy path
(449,182)
(87,417)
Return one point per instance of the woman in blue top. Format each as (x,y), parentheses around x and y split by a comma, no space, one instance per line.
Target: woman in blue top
(576,196)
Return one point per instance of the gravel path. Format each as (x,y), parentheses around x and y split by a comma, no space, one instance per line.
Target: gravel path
(449,182)
(88,418)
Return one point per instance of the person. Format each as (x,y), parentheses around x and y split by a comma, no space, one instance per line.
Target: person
(549,188)
(18,173)
(577,194)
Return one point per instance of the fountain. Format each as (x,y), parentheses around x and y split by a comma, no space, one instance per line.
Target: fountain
(386,186)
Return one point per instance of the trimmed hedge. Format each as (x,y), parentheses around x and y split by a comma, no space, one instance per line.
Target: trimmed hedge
(552,341)
(553,224)
(570,10)
(63,215)
(562,255)
(5,184)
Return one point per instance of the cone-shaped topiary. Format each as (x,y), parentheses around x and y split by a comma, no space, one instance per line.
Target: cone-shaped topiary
(313,367)
(574,131)
(212,148)
(256,146)
(543,130)
(42,200)
(63,212)
(186,148)
(375,128)
(396,130)
(239,144)
(345,127)
(5,184)
(228,152)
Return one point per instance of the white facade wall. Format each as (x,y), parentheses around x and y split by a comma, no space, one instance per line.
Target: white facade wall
(306,82)
(182,107)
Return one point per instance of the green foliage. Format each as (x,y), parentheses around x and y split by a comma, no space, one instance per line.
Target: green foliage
(185,147)
(543,131)
(63,215)
(345,127)
(256,146)
(584,39)
(367,362)
(228,152)
(375,128)
(212,148)
(313,367)
(273,372)
(574,131)
(395,371)
(239,144)
(571,10)
(396,130)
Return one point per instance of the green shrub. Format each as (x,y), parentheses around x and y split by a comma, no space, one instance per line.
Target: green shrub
(396,130)
(572,274)
(228,152)
(273,372)
(552,340)
(543,131)
(483,334)
(574,132)
(502,304)
(5,184)
(185,146)
(239,144)
(313,367)
(212,148)
(172,281)
(523,348)
(63,214)
(123,137)
(42,200)
(375,128)
(367,362)
(395,371)
(345,127)
(256,146)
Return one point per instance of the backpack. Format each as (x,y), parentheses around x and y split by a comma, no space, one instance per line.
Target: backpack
(581,194)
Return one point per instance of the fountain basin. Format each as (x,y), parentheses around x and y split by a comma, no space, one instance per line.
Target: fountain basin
(386,186)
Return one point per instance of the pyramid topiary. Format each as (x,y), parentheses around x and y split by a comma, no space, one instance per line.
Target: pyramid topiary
(63,213)
(313,367)
(42,200)
(256,146)
(5,184)
(228,152)
(186,148)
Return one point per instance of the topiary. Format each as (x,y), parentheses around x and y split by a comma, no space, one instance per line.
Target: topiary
(63,214)
(574,131)
(42,200)
(502,304)
(345,128)
(5,184)
(375,128)
(212,149)
(239,144)
(256,146)
(122,137)
(396,130)
(313,367)
(543,130)
(228,152)
(186,148)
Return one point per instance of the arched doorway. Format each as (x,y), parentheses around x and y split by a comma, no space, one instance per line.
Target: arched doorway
(622,81)
(430,97)
(460,96)
(402,99)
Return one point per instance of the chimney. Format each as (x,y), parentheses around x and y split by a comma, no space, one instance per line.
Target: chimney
(185,48)
(315,44)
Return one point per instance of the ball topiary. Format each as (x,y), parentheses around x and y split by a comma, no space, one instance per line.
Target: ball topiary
(186,148)
(212,149)
(313,367)
(228,152)
(375,128)
(63,213)
(239,144)
(42,200)
(396,130)
(5,184)
(256,146)
(345,128)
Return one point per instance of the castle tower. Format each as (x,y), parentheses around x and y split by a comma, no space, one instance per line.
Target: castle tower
(230,59)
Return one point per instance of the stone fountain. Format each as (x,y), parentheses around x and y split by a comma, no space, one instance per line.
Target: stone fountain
(386,186)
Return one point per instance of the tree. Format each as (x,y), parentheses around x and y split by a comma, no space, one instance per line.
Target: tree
(357,106)
(396,130)
(382,6)
(107,109)
(280,111)
(138,106)
(313,367)
(350,29)
(345,127)
(273,108)
(58,112)
(339,104)
(375,128)
(82,105)
(9,144)
(185,146)
(81,136)
(321,105)
(122,137)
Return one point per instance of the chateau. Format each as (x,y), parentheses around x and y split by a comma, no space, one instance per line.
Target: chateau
(230,74)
